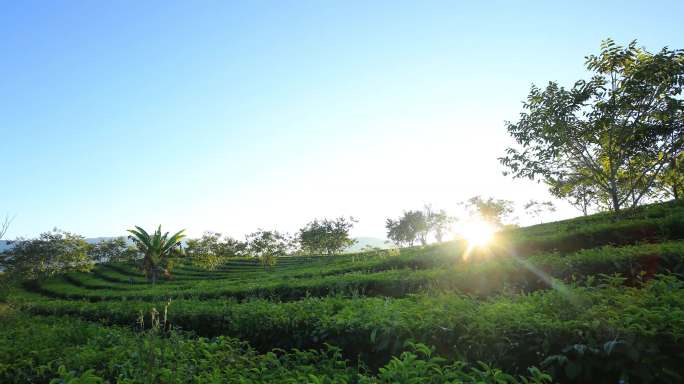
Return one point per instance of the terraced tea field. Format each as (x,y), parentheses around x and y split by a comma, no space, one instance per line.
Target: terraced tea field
(591,299)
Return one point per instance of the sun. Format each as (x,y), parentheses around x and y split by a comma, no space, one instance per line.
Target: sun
(478,232)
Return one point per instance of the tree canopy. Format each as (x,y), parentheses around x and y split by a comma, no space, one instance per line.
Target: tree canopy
(268,246)
(411,226)
(214,244)
(439,222)
(112,250)
(51,253)
(326,236)
(212,249)
(492,210)
(417,225)
(615,132)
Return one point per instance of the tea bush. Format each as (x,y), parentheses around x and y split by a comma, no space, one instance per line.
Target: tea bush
(593,299)
(60,350)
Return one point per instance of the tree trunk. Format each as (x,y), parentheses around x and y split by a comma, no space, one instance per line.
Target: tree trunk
(616,204)
(614,197)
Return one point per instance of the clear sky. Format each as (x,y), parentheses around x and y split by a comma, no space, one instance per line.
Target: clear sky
(229,116)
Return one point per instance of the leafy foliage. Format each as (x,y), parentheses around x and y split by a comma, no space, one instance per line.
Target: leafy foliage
(156,249)
(401,276)
(326,236)
(51,253)
(614,361)
(211,250)
(492,210)
(112,250)
(62,350)
(412,226)
(268,246)
(615,132)
(670,183)
(508,331)
(439,222)
(587,299)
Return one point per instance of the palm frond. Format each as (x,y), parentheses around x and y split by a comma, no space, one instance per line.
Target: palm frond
(156,246)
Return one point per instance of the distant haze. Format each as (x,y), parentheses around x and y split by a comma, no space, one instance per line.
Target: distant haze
(362,242)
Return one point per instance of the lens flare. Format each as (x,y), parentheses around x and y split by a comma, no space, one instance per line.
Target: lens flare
(478,232)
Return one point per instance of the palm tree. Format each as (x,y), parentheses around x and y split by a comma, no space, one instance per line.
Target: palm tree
(155,248)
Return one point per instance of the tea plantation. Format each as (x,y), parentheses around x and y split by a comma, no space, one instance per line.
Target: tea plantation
(594,299)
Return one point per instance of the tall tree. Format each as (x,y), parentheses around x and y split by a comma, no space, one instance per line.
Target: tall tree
(268,246)
(491,210)
(411,226)
(417,222)
(439,222)
(618,130)
(397,232)
(156,249)
(326,236)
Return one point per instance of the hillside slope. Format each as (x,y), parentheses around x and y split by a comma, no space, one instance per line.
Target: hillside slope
(592,299)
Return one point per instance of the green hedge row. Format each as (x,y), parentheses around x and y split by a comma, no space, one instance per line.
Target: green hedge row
(648,211)
(481,277)
(60,350)
(121,277)
(511,331)
(622,232)
(516,242)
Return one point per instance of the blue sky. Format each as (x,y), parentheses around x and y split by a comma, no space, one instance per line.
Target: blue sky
(229,116)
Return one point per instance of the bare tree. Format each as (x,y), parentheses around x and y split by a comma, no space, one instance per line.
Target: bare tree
(4,225)
(536,208)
